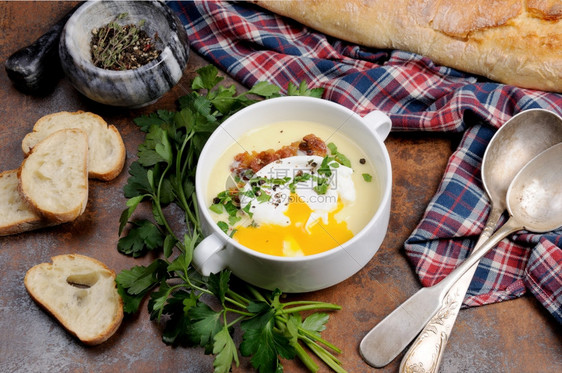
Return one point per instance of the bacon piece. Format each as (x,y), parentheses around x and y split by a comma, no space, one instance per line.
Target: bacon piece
(309,145)
(313,145)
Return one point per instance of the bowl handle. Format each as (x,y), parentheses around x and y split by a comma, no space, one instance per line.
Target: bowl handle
(206,255)
(379,122)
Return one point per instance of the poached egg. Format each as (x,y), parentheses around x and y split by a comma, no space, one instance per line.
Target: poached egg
(291,206)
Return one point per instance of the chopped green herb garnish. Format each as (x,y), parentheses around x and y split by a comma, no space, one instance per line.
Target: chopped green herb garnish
(278,181)
(299,178)
(342,159)
(322,185)
(234,219)
(367,177)
(263,197)
(217,208)
(324,168)
(339,157)
(246,209)
(223,226)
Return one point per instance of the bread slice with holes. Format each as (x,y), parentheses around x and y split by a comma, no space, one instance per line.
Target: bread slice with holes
(17,215)
(80,293)
(53,178)
(106,148)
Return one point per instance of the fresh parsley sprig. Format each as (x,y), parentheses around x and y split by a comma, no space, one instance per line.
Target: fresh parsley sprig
(196,310)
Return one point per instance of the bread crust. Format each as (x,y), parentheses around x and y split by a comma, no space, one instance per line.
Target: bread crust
(516,42)
(120,159)
(34,274)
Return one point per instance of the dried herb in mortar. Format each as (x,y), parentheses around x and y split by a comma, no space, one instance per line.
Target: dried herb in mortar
(122,47)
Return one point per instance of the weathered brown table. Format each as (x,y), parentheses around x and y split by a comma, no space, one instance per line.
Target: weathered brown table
(514,336)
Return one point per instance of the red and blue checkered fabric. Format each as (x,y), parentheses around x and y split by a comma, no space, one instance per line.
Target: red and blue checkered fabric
(252,44)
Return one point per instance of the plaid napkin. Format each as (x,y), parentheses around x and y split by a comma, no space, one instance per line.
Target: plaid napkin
(252,44)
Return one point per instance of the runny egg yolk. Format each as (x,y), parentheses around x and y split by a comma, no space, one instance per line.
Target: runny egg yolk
(296,239)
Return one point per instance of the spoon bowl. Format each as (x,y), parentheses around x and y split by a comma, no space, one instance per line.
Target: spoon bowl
(518,141)
(534,196)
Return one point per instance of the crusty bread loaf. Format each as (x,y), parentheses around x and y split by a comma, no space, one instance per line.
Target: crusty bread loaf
(517,42)
(106,148)
(16,215)
(80,293)
(53,179)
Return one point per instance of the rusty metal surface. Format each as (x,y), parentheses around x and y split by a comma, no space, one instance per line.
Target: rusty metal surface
(514,336)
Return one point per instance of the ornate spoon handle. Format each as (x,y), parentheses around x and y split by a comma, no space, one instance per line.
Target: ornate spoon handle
(427,350)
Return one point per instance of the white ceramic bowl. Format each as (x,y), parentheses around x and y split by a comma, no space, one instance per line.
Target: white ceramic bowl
(295,274)
(127,88)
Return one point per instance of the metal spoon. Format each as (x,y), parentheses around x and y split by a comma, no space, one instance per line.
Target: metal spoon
(520,139)
(534,203)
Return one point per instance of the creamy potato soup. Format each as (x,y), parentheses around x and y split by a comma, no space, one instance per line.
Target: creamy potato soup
(292,189)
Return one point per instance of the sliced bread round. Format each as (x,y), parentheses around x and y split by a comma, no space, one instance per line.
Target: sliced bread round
(17,215)
(80,293)
(106,148)
(53,178)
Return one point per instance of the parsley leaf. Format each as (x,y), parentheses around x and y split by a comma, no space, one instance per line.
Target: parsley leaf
(261,341)
(264,89)
(143,237)
(204,325)
(218,284)
(316,322)
(225,351)
(135,283)
(207,78)
(158,300)
(137,184)
(177,309)
(303,90)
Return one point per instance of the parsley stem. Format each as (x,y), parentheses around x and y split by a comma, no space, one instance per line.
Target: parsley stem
(237,297)
(235,302)
(196,209)
(305,358)
(156,201)
(230,300)
(234,322)
(310,336)
(315,306)
(180,172)
(319,339)
(297,302)
(326,357)
(192,286)
(239,312)
(164,221)
(257,294)
(179,159)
